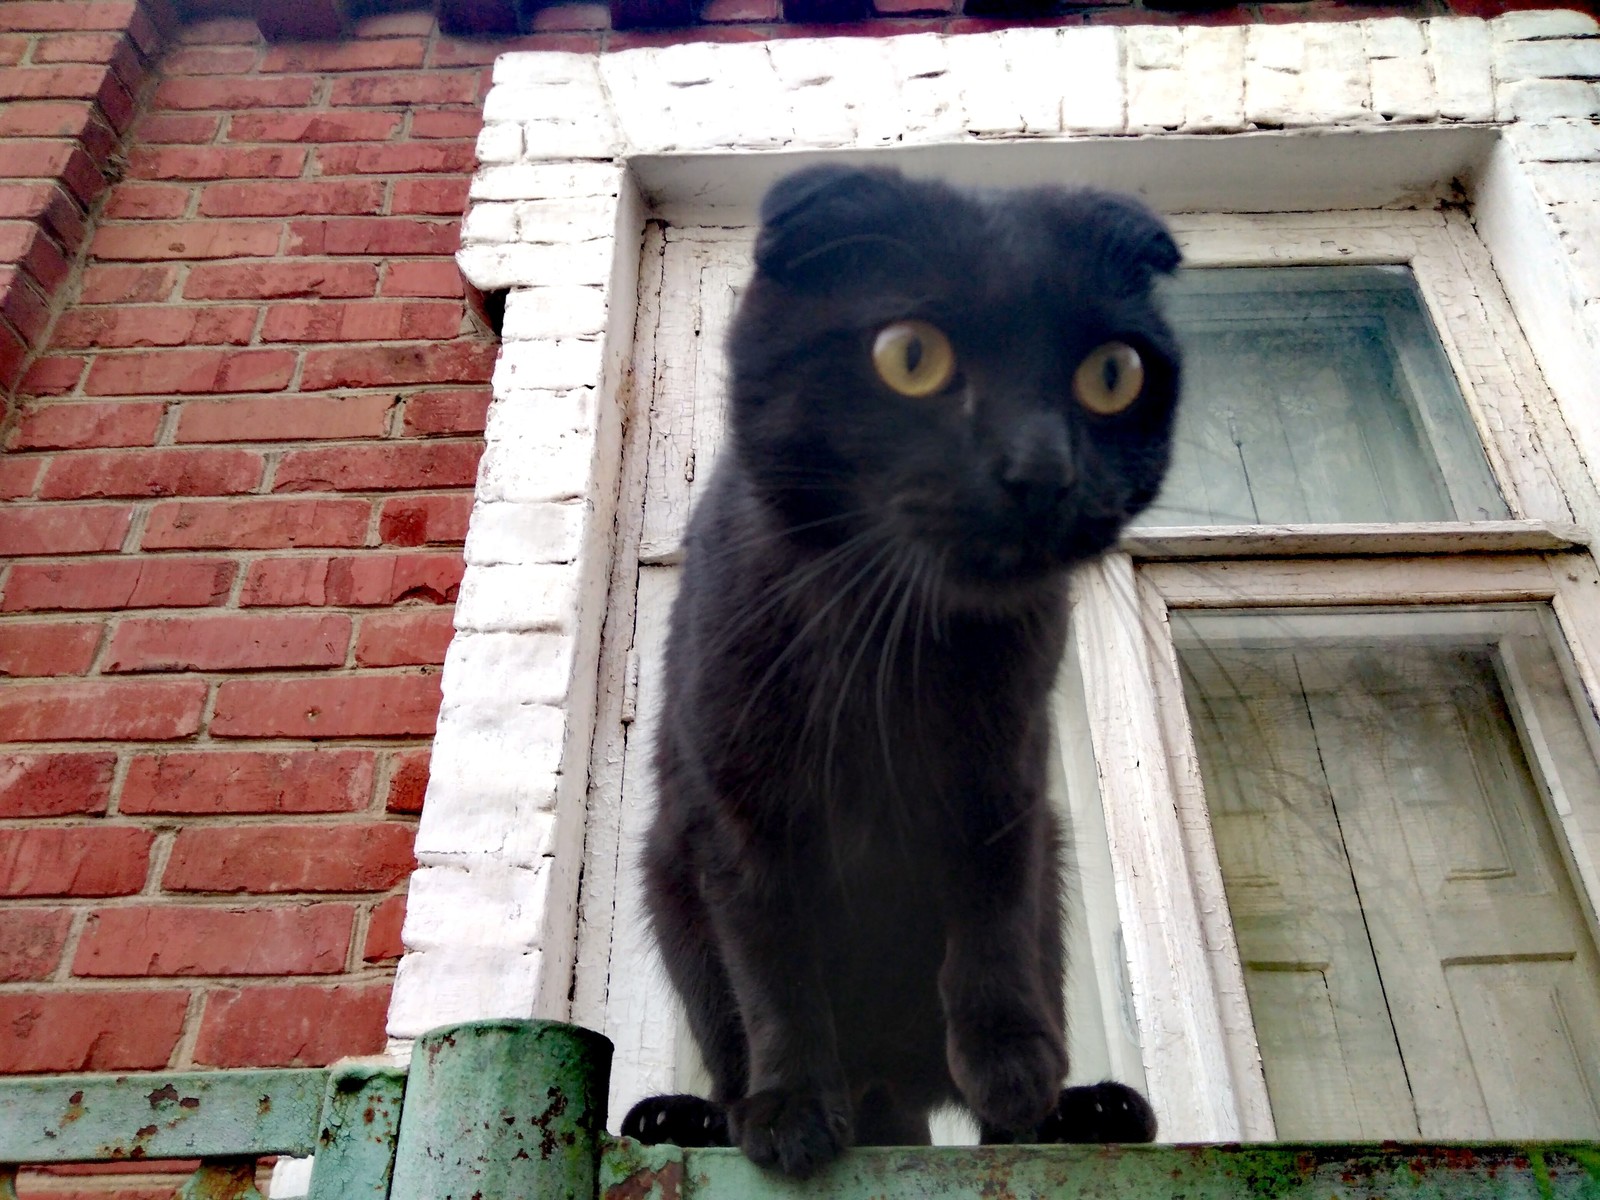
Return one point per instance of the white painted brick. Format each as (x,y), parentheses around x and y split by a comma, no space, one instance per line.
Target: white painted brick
(1394,37)
(523,68)
(496,223)
(570,219)
(542,447)
(1276,47)
(1562,58)
(510,668)
(546,181)
(1336,87)
(496,767)
(1157,100)
(1093,98)
(990,97)
(555,364)
(539,532)
(1402,89)
(447,987)
(545,312)
(1547,24)
(500,142)
(1545,99)
(1213,68)
(503,266)
(1556,141)
(480,902)
(1151,47)
(516,596)
(1458,52)
(1565,182)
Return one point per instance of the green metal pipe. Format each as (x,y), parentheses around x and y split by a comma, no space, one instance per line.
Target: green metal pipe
(503,1110)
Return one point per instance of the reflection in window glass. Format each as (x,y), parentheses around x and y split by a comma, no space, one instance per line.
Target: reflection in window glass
(1399,803)
(1317,395)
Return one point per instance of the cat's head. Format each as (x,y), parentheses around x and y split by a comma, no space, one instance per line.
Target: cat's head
(981,375)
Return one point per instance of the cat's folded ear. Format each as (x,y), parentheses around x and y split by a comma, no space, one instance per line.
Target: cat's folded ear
(829,222)
(1131,232)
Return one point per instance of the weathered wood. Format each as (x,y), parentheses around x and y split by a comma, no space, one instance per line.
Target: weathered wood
(85,1118)
(1324,541)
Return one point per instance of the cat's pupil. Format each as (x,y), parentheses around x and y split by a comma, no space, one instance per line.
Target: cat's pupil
(1108,374)
(913,355)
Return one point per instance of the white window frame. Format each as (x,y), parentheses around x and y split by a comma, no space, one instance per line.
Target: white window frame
(578,151)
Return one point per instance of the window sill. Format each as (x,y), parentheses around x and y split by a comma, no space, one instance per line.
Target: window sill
(1158,543)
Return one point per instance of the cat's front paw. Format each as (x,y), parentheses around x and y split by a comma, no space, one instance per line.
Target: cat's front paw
(677,1121)
(1009,1080)
(794,1130)
(1100,1112)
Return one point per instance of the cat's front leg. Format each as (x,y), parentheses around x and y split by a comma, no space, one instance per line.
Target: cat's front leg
(796,1115)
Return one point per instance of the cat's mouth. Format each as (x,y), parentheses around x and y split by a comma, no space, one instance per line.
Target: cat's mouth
(1006,553)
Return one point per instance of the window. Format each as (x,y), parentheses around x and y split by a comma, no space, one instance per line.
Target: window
(1343,651)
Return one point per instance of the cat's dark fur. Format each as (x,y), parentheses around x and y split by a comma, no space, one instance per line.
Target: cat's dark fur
(853,873)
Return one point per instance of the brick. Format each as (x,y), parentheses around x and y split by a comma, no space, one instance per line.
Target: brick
(284,418)
(188,371)
(101,474)
(79,426)
(227,781)
(179,129)
(101,710)
(90,1031)
(13,49)
(233,642)
(446,123)
(375,236)
(55,785)
(170,939)
(395,24)
(30,248)
(211,60)
(372,856)
(441,278)
(55,375)
(369,322)
(55,529)
(292,1026)
(32,939)
(118,583)
(227,95)
(441,413)
(221,31)
(23,304)
(408,781)
(255,524)
(127,285)
(47,119)
(411,637)
(387,55)
(425,520)
(19,477)
(398,158)
(388,366)
(571,16)
(39,648)
(46,204)
(216,162)
(382,943)
(145,202)
(75,81)
(366,580)
(79,860)
(393,87)
(375,705)
(444,197)
(13,356)
(291,199)
(384,467)
(44,16)
(313,128)
(146,241)
(283,281)
(166,325)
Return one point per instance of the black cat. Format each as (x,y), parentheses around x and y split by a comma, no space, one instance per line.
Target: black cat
(940,401)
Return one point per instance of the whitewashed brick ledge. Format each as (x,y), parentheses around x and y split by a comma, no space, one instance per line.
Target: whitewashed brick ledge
(490,920)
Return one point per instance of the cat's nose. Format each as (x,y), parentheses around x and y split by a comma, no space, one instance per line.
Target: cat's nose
(1036,471)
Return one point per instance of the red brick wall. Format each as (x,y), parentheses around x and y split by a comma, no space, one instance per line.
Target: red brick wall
(234,483)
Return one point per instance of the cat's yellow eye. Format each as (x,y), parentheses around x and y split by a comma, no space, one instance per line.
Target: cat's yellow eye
(913,358)
(1110,379)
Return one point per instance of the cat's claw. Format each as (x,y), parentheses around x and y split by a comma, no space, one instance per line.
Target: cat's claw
(797,1131)
(687,1121)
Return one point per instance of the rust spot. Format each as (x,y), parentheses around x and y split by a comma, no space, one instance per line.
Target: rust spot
(169,1094)
(264,1105)
(645,1184)
(74,1108)
(370,1115)
(149,1131)
(189,1102)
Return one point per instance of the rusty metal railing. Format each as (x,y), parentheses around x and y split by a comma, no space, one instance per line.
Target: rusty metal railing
(515,1110)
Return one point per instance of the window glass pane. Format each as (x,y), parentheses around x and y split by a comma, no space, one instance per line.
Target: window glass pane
(1317,395)
(1401,806)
